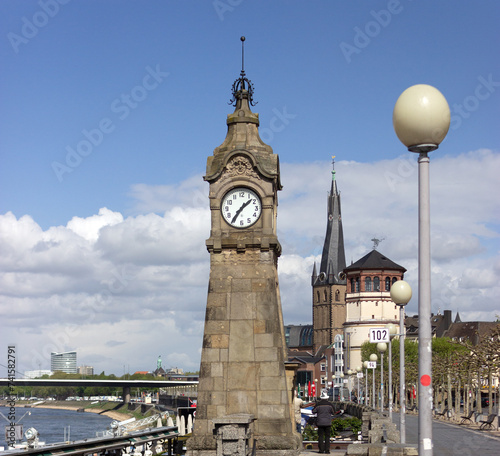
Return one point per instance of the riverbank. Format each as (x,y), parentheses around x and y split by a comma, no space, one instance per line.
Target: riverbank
(115,411)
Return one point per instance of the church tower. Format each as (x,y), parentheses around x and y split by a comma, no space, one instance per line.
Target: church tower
(329,285)
(242,371)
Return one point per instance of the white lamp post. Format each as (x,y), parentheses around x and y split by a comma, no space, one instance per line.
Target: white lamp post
(373,359)
(392,329)
(421,120)
(358,370)
(381,347)
(349,373)
(401,295)
(365,365)
(341,376)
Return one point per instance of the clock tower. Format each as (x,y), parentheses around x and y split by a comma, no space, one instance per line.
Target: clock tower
(242,369)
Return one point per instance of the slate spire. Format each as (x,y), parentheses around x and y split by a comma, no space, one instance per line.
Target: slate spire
(333,257)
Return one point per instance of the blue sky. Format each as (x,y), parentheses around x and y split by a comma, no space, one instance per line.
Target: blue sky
(155,78)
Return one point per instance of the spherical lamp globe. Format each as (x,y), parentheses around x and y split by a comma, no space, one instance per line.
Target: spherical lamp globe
(381,347)
(401,293)
(421,118)
(392,328)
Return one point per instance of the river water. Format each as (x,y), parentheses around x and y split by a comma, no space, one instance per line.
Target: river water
(51,424)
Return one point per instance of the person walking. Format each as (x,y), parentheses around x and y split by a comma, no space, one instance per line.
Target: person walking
(324,411)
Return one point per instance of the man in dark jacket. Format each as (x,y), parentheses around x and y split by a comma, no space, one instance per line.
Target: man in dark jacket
(324,411)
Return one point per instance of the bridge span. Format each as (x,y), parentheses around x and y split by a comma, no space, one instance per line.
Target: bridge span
(125,384)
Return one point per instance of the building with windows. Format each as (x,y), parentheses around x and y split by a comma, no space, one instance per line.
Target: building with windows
(329,283)
(368,302)
(37,373)
(86,370)
(63,362)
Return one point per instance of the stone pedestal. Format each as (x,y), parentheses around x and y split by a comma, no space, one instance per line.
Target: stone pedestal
(232,434)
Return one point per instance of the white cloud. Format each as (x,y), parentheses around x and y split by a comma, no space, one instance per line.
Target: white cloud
(124,290)
(88,228)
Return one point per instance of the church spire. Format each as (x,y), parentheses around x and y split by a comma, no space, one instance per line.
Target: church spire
(333,257)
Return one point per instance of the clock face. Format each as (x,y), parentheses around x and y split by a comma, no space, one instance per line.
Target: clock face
(241,207)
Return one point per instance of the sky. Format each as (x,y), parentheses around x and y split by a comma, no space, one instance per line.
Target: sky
(109,111)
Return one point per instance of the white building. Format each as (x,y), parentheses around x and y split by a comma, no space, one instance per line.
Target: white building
(368,302)
(37,373)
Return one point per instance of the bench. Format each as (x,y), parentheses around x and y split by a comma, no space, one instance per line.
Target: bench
(488,422)
(467,417)
(443,413)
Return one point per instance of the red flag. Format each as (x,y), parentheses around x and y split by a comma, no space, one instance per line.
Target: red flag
(309,389)
(314,390)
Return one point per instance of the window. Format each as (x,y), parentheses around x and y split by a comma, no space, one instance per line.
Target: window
(368,284)
(394,279)
(322,367)
(376,284)
(387,284)
(357,284)
(337,295)
(326,296)
(352,285)
(317,296)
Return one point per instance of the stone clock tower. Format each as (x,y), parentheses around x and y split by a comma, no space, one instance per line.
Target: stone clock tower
(242,372)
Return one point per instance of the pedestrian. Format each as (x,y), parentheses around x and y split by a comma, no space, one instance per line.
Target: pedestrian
(299,404)
(324,411)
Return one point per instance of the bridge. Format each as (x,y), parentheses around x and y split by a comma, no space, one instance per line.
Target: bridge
(125,384)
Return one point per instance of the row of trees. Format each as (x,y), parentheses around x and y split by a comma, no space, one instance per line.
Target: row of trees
(460,370)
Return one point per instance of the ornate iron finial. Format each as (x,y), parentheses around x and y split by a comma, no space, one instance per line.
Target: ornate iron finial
(333,167)
(239,84)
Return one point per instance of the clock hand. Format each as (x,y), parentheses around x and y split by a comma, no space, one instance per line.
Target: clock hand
(238,212)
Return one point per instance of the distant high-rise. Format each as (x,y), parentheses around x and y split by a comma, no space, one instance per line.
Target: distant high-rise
(86,370)
(63,362)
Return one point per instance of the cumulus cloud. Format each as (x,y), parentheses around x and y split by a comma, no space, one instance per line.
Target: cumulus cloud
(123,289)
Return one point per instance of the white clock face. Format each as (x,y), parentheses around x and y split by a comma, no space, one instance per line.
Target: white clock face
(241,207)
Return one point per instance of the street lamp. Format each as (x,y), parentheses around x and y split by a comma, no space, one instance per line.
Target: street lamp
(401,295)
(341,376)
(365,365)
(381,347)
(315,388)
(373,359)
(421,120)
(392,330)
(358,370)
(349,374)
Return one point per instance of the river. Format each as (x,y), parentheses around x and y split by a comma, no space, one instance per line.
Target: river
(51,424)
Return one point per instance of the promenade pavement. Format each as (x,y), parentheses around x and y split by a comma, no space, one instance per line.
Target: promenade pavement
(449,438)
